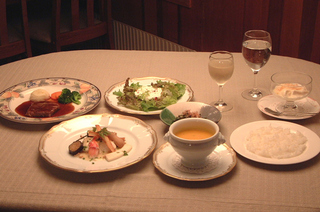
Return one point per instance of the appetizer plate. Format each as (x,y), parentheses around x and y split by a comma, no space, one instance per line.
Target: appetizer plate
(239,136)
(12,97)
(169,114)
(54,145)
(112,100)
(272,101)
(164,156)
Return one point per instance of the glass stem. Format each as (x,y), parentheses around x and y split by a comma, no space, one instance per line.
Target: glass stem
(220,93)
(255,87)
(290,105)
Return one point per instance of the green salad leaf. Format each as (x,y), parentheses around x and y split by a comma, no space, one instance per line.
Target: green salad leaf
(67,97)
(170,94)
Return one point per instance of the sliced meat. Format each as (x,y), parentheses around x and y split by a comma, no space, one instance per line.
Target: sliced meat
(42,109)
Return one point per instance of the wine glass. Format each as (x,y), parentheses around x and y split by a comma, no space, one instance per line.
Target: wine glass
(221,67)
(256,50)
(290,86)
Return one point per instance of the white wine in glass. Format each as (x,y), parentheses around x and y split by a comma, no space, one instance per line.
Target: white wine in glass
(221,67)
(256,50)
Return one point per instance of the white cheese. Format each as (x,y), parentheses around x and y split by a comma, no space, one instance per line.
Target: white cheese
(148,92)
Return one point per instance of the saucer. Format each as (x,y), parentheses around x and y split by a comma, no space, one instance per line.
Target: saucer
(211,162)
(166,160)
(271,101)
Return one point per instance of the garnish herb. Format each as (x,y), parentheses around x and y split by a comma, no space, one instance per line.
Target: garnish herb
(104,132)
(125,153)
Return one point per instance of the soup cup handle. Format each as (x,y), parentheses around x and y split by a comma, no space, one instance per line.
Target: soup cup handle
(221,139)
(166,136)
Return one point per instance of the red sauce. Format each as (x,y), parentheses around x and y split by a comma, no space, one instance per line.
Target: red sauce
(64,109)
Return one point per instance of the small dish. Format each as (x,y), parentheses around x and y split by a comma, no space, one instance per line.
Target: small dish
(169,114)
(53,145)
(238,142)
(112,100)
(164,160)
(14,96)
(271,101)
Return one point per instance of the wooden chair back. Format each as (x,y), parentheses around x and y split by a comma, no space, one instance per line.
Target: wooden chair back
(78,25)
(14,42)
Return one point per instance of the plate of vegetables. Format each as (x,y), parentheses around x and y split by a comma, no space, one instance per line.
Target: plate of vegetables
(147,95)
(48,100)
(98,143)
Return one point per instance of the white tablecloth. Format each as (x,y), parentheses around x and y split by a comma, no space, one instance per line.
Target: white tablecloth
(27,181)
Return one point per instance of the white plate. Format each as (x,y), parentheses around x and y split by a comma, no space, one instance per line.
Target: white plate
(272,101)
(54,145)
(206,111)
(14,96)
(238,142)
(164,156)
(112,100)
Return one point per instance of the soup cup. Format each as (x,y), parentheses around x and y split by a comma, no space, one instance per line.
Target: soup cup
(194,152)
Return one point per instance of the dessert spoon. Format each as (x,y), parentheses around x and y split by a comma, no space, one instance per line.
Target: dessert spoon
(277,113)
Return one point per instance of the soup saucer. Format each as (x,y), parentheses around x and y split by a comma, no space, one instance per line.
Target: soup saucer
(310,105)
(166,160)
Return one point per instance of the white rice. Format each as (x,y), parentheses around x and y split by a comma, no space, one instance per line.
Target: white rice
(276,142)
(39,95)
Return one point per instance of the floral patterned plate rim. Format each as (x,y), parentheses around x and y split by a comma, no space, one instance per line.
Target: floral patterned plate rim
(12,97)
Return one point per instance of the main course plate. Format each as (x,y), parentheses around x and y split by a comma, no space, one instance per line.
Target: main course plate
(54,144)
(12,97)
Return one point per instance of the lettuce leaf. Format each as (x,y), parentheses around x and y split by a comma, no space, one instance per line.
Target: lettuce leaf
(171,93)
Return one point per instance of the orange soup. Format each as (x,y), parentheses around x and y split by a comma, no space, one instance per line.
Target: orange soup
(194,134)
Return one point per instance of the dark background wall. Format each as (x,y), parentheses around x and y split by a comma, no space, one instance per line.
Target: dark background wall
(208,25)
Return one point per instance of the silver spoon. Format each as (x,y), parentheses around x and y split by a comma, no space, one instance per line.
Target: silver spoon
(277,113)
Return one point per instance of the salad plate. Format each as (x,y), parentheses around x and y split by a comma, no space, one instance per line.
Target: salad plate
(271,101)
(164,160)
(12,97)
(112,101)
(170,113)
(239,136)
(54,145)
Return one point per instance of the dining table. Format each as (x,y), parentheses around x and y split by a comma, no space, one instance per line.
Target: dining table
(28,182)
